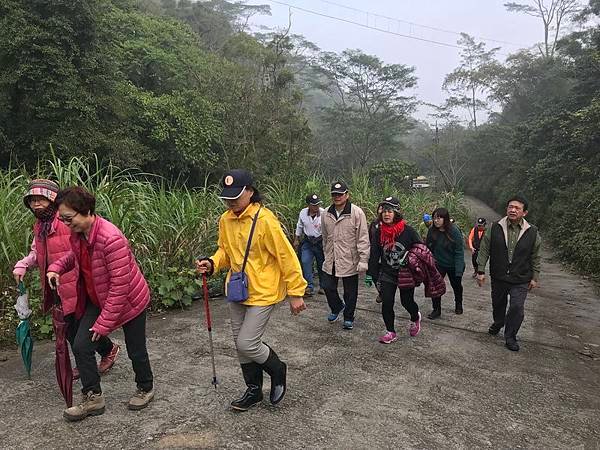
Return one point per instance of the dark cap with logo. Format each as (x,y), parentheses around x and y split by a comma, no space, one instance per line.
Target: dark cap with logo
(234,183)
(313,199)
(391,203)
(339,187)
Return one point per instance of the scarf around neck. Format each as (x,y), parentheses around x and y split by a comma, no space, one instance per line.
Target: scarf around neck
(388,233)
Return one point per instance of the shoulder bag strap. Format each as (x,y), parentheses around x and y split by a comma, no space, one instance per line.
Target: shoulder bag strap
(250,238)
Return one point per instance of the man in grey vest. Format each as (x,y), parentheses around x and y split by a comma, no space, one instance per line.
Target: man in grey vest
(513,247)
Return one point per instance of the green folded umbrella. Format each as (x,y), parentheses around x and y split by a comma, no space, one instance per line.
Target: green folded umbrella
(23,334)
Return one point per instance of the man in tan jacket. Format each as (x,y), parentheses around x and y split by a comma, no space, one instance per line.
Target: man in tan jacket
(346,248)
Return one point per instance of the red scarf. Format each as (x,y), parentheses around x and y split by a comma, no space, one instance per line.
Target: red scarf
(388,233)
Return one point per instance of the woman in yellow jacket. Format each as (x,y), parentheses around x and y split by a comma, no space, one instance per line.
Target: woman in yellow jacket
(273,272)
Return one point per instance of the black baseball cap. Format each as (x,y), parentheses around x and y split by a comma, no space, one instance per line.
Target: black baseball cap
(339,187)
(391,202)
(481,221)
(234,183)
(313,199)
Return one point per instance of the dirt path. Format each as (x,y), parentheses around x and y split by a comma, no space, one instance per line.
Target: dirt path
(453,386)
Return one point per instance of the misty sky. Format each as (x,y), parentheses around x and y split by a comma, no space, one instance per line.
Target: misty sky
(481,18)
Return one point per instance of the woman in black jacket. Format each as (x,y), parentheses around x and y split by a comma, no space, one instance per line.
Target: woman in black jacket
(390,239)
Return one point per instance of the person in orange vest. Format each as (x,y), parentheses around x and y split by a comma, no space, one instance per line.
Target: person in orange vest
(474,240)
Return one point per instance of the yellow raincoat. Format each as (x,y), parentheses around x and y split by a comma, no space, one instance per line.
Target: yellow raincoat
(272,268)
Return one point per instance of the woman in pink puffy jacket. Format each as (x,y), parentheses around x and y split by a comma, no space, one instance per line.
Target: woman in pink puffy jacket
(50,243)
(115,294)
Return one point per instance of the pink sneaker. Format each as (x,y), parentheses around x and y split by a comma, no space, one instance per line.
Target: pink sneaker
(415,327)
(388,338)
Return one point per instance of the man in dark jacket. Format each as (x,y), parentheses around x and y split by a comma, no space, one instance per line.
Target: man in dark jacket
(513,248)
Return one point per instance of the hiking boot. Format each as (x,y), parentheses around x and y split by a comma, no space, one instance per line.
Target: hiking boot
(309,292)
(253,376)
(348,324)
(415,327)
(334,316)
(75,372)
(458,309)
(436,303)
(106,362)
(140,399)
(494,329)
(321,291)
(277,370)
(378,299)
(92,404)
(388,338)
(512,345)
(436,313)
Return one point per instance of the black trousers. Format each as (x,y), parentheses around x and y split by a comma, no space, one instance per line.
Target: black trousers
(455,282)
(387,291)
(135,340)
(330,286)
(105,345)
(474,259)
(513,318)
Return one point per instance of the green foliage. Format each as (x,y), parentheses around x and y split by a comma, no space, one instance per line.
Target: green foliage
(393,172)
(138,87)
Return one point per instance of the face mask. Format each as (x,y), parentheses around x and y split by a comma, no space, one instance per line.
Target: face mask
(47,214)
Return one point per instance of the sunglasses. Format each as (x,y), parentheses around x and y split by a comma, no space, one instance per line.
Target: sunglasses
(67,219)
(338,194)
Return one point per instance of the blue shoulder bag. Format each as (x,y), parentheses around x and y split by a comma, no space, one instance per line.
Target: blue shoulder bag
(237,286)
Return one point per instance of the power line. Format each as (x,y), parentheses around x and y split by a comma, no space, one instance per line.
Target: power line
(414,24)
(340,19)
(362,25)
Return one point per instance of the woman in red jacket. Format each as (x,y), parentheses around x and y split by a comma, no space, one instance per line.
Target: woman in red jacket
(116,295)
(50,243)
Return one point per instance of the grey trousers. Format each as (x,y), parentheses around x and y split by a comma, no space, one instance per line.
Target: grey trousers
(513,318)
(248,324)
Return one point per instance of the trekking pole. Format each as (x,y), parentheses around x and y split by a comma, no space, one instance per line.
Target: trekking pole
(209,327)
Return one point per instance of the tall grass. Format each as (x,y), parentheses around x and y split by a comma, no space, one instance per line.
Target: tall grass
(168,225)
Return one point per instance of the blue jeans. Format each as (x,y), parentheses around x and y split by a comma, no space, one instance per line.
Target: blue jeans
(309,252)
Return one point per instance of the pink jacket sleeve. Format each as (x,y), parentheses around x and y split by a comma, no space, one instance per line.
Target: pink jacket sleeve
(29,262)
(117,256)
(64,264)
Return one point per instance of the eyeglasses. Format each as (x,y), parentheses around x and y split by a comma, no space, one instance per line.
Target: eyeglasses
(67,219)
(337,194)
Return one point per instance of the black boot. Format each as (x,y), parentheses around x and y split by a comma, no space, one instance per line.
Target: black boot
(458,309)
(277,370)
(253,377)
(437,308)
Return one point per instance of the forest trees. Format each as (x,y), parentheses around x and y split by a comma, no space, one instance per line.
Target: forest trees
(554,14)
(468,83)
(133,83)
(369,108)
